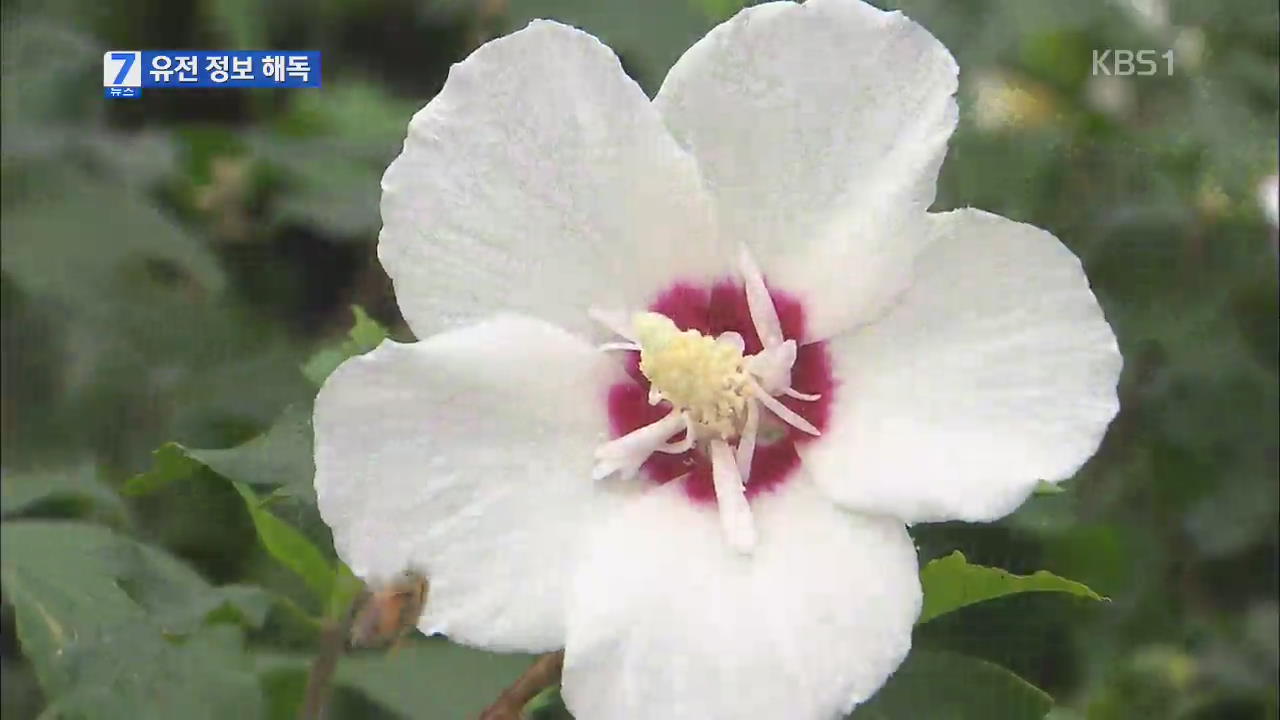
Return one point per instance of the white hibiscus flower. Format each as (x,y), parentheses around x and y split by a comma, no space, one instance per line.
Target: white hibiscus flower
(707,510)
(1269,199)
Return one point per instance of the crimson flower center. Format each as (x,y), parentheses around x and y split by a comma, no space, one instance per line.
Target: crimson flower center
(722,388)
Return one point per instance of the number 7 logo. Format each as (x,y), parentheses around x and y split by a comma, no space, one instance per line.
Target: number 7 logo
(122,69)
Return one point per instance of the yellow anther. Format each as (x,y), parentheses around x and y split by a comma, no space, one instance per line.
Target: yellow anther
(694,372)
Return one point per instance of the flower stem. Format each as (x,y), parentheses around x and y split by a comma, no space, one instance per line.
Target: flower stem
(320,676)
(333,643)
(543,673)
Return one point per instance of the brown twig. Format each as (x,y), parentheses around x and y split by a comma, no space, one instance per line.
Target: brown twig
(542,674)
(333,642)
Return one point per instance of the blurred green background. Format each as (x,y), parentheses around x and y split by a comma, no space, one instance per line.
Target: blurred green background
(182,268)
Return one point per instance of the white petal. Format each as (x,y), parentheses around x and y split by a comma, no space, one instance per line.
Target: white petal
(541,179)
(668,622)
(467,456)
(820,129)
(996,370)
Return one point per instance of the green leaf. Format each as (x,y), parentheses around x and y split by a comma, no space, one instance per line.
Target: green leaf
(290,547)
(45,251)
(203,676)
(547,705)
(951,583)
(364,336)
(1044,487)
(180,602)
(366,333)
(329,185)
(720,10)
(930,684)
(426,678)
(948,686)
(101,618)
(169,462)
(330,152)
(23,490)
(279,457)
(346,589)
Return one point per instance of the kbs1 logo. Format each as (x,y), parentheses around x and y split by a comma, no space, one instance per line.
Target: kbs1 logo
(1125,63)
(125,73)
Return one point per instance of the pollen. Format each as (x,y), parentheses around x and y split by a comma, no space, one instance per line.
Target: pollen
(696,373)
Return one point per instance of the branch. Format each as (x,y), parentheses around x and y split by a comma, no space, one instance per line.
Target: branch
(543,673)
(333,641)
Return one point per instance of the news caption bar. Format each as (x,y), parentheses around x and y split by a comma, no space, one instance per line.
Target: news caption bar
(126,73)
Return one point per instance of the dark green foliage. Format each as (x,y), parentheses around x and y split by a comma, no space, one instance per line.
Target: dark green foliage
(947,686)
(178,273)
(118,629)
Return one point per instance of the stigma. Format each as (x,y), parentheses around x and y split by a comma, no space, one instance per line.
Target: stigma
(702,376)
